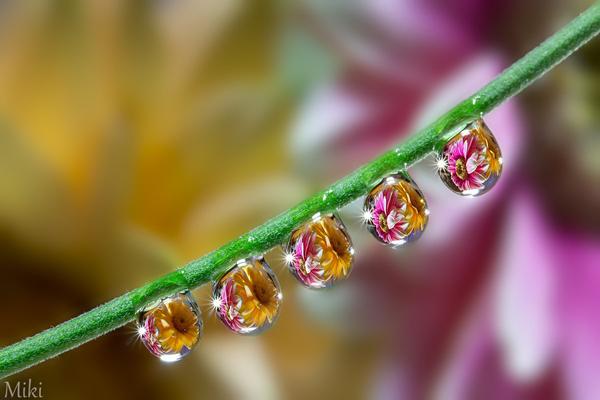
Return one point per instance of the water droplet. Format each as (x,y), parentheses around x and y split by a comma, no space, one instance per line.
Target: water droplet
(171,327)
(248,296)
(320,252)
(473,160)
(398,210)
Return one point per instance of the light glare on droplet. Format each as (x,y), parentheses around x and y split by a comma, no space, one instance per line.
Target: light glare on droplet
(216,303)
(289,258)
(441,163)
(169,358)
(316,217)
(141,331)
(367,216)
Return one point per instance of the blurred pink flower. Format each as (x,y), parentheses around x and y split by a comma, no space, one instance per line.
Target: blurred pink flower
(512,312)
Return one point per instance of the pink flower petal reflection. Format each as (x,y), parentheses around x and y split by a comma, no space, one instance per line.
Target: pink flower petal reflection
(467,164)
(388,216)
(306,259)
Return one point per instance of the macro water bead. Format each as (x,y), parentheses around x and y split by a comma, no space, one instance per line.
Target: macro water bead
(171,327)
(320,252)
(247,298)
(471,161)
(395,210)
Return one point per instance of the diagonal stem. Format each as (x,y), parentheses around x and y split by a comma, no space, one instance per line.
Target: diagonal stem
(123,309)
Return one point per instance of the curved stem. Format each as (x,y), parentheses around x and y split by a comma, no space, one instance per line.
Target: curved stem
(123,309)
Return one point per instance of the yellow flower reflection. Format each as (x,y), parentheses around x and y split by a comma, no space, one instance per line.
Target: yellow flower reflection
(416,208)
(177,325)
(258,294)
(337,250)
(484,135)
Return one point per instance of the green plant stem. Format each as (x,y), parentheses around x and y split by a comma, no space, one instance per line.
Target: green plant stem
(123,309)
